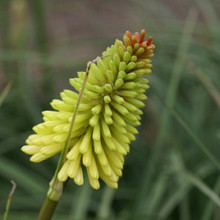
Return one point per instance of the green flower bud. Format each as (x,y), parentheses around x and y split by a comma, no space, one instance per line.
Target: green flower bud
(119,83)
(121,75)
(126,57)
(108,87)
(107,99)
(108,110)
(122,66)
(110,75)
(130,76)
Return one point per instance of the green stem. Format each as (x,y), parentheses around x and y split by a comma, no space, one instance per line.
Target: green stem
(47,209)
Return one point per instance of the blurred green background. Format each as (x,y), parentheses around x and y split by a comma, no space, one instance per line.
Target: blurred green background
(172,171)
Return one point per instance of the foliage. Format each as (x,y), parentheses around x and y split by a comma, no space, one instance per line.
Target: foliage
(167,175)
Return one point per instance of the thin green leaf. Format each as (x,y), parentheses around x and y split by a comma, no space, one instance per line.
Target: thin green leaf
(104,211)
(203,187)
(208,210)
(5,92)
(29,181)
(190,132)
(80,207)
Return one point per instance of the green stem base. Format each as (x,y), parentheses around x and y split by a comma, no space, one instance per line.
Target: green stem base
(47,210)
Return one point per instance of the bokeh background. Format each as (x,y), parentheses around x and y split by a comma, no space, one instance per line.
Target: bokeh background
(172,171)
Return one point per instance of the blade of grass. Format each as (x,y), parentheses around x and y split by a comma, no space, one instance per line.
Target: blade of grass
(164,122)
(210,14)
(184,209)
(157,194)
(5,92)
(203,187)
(9,200)
(79,209)
(206,82)
(190,132)
(216,214)
(39,20)
(104,210)
(173,200)
(32,183)
(178,194)
(208,210)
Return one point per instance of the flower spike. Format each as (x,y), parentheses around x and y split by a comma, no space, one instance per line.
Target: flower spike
(107,115)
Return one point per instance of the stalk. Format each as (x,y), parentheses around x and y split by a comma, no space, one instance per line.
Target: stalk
(47,209)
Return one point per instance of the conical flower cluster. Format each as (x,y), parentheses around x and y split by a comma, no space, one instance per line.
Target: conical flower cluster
(107,115)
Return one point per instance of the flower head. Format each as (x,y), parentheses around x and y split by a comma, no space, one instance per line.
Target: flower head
(106,118)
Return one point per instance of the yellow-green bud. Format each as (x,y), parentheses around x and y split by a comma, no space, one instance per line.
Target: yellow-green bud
(121,75)
(108,87)
(96,110)
(130,76)
(105,129)
(94,120)
(122,66)
(110,75)
(119,83)
(130,66)
(96,133)
(112,67)
(108,110)
(126,57)
(107,99)
(118,99)
(116,59)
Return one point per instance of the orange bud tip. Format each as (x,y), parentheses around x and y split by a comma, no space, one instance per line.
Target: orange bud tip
(149,41)
(136,34)
(128,34)
(134,40)
(142,36)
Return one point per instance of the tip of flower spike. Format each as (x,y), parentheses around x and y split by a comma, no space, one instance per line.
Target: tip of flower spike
(141,48)
(149,41)
(128,34)
(142,36)
(131,40)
